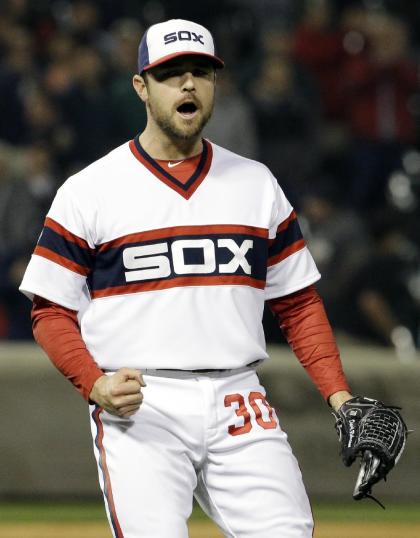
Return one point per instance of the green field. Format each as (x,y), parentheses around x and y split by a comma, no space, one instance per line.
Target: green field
(43,511)
(367,511)
(333,520)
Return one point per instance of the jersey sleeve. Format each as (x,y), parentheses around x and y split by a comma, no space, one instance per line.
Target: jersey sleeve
(290,266)
(63,256)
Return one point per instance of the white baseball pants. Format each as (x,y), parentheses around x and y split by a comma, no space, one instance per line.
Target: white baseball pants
(213,436)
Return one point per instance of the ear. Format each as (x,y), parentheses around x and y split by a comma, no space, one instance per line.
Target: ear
(140,87)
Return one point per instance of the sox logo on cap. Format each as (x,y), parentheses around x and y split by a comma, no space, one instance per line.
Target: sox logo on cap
(183,35)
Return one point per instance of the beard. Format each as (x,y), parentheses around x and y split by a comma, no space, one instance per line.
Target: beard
(189,129)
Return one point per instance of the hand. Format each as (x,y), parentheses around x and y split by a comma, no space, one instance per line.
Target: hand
(119,394)
(376,433)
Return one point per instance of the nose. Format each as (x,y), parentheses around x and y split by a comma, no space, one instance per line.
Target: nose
(188,82)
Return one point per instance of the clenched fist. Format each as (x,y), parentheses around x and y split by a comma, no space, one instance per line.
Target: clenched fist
(119,394)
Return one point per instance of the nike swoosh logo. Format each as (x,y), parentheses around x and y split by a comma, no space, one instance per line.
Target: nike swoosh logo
(172,165)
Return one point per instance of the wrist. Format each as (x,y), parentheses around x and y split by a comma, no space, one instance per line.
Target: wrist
(96,389)
(337,399)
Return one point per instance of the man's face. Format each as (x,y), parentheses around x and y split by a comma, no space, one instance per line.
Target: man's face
(180,95)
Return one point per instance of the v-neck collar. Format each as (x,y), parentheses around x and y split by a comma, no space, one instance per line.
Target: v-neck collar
(184,189)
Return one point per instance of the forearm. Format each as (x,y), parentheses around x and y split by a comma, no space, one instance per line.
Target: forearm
(304,322)
(57,331)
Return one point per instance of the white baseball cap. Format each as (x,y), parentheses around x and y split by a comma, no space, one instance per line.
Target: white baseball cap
(176,37)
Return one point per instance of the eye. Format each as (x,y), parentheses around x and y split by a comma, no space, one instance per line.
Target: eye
(169,74)
(201,72)
(165,74)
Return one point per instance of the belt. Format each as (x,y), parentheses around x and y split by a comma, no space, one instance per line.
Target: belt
(206,370)
(199,371)
(196,371)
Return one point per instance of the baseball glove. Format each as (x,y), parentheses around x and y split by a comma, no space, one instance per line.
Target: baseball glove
(376,433)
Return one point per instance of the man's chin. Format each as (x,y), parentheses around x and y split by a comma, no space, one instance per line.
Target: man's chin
(188,129)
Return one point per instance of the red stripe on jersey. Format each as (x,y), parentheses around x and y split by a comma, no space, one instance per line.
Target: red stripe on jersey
(104,468)
(61,260)
(185,193)
(203,173)
(66,234)
(297,245)
(284,225)
(180,282)
(164,233)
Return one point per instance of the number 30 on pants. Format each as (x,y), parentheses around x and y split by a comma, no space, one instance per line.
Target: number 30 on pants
(255,400)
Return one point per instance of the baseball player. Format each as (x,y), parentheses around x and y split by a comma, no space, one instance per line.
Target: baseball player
(148,285)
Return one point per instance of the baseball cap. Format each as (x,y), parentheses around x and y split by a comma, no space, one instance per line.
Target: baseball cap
(176,37)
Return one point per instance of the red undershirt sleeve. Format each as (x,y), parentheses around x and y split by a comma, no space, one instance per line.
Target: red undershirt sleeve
(57,331)
(304,323)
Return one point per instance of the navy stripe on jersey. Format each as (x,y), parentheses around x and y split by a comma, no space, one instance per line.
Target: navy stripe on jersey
(61,246)
(185,259)
(288,240)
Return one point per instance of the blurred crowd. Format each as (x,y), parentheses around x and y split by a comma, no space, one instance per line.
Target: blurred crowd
(324,92)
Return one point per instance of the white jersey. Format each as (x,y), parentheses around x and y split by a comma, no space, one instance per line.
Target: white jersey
(167,275)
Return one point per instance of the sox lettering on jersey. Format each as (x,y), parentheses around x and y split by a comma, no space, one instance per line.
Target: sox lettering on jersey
(203,255)
(159,259)
(148,262)
(184,256)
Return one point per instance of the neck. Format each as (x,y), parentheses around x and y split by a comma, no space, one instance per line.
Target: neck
(160,145)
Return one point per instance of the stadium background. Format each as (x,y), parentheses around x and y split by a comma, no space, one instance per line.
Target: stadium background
(326,93)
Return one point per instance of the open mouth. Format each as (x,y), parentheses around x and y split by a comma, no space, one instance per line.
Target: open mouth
(187,110)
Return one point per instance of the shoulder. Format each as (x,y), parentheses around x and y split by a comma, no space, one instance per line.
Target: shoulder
(100,171)
(227,159)
(254,175)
